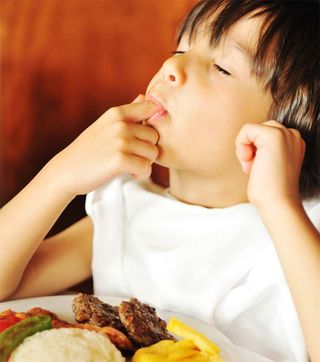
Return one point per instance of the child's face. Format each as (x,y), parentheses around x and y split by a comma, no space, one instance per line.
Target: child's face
(206,107)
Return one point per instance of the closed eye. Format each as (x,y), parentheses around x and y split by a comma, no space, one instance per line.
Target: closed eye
(176,52)
(223,71)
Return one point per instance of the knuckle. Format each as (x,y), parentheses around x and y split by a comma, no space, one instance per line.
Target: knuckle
(247,125)
(273,122)
(146,168)
(247,128)
(155,152)
(278,134)
(115,112)
(119,160)
(121,143)
(120,128)
(295,132)
(155,136)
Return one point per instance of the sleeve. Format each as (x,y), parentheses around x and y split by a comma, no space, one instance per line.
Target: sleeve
(106,207)
(314,214)
(107,193)
(88,203)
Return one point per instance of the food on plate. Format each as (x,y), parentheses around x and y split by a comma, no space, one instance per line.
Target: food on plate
(137,320)
(66,345)
(12,336)
(40,335)
(201,341)
(194,348)
(142,323)
(119,339)
(7,319)
(89,309)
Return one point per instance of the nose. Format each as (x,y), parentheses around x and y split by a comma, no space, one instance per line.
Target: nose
(173,70)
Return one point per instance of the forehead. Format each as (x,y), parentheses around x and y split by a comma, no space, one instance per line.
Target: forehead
(241,38)
(243,34)
(252,29)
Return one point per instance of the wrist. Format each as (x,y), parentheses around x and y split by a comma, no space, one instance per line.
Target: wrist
(277,208)
(55,182)
(266,202)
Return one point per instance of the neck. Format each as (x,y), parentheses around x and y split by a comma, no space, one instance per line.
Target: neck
(208,192)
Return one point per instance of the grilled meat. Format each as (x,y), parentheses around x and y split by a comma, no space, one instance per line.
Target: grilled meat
(89,309)
(137,320)
(142,323)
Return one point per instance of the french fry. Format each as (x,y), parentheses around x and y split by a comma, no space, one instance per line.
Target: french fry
(167,349)
(200,356)
(201,341)
(162,347)
(183,344)
(143,356)
(182,350)
(182,354)
(157,352)
(203,356)
(195,347)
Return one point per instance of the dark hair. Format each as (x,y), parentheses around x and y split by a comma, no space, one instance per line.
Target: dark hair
(286,60)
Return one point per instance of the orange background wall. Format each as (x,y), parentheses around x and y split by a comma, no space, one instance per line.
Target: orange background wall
(64,63)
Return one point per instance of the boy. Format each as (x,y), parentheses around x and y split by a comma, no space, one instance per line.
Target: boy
(198,247)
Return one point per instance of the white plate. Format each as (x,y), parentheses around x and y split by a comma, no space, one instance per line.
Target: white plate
(61,305)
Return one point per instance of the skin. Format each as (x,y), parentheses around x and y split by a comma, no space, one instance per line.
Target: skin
(206,110)
(237,156)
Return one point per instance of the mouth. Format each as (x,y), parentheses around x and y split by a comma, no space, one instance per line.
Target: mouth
(160,113)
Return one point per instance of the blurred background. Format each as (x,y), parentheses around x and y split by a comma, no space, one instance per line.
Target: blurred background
(63,64)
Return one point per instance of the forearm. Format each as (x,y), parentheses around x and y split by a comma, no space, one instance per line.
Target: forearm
(24,223)
(113,145)
(298,246)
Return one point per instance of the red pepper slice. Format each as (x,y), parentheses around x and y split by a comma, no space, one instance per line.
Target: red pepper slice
(7,319)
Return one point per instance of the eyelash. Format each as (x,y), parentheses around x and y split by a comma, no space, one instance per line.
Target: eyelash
(175,52)
(219,69)
(223,71)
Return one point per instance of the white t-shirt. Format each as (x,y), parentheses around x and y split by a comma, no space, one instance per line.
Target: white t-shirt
(218,265)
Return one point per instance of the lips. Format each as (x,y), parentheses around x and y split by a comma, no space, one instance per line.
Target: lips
(160,113)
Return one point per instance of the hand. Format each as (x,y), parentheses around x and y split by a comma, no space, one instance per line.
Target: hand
(115,144)
(272,155)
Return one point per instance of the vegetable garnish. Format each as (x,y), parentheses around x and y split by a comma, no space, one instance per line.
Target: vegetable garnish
(11,337)
(7,319)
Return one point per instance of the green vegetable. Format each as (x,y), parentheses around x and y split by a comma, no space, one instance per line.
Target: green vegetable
(11,337)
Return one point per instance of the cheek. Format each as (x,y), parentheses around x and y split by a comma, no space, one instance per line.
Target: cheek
(226,112)
(216,129)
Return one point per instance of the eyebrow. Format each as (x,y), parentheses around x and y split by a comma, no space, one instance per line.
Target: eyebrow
(247,53)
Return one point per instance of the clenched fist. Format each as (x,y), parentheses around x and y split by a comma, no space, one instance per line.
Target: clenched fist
(272,155)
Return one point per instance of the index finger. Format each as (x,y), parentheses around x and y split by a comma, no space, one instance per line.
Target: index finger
(253,133)
(133,112)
